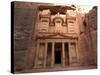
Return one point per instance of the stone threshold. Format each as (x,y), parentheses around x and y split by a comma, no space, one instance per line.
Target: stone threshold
(54,69)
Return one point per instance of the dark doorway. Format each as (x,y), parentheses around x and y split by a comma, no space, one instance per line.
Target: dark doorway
(66,54)
(58,49)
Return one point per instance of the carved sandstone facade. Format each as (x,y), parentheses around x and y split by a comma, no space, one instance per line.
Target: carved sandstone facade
(56,38)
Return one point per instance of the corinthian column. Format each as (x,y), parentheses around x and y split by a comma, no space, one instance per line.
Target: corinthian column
(63,55)
(52,62)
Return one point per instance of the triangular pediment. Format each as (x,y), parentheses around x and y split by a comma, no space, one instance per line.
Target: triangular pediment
(57,35)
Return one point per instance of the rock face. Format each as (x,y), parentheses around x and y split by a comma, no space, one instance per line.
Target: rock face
(88,39)
(24,19)
(24,26)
